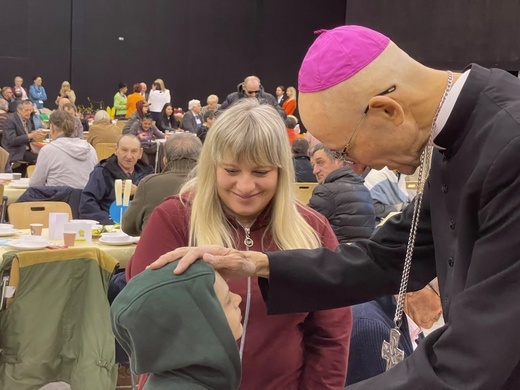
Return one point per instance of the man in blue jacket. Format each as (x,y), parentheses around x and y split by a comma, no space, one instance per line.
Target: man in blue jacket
(124,164)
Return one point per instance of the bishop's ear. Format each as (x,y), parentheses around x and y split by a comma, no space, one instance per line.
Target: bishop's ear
(387,108)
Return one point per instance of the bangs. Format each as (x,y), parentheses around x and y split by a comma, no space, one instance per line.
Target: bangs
(256,145)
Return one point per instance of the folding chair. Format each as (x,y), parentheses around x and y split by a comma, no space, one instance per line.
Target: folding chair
(304,191)
(21,215)
(105,150)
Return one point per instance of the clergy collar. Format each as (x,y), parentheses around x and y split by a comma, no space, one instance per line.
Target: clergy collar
(448,105)
(452,134)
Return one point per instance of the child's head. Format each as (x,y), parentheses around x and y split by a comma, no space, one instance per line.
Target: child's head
(180,325)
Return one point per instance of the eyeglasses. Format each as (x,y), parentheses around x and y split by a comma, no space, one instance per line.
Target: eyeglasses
(434,290)
(343,155)
(252,92)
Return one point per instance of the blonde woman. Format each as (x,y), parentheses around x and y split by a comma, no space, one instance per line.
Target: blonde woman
(66,92)
(242,197)
(289,105)
(158,97)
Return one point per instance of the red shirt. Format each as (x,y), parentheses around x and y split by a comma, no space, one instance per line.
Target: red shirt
(290,351)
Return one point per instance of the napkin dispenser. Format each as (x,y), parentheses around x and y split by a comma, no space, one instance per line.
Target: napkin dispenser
(57,223)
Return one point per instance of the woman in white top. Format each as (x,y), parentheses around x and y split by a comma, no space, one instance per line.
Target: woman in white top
(158,97)
(67,160)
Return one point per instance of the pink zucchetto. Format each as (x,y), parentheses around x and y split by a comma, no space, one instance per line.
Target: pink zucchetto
(338,54)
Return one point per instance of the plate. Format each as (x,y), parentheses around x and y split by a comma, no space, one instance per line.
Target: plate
(18,184)
(27,246)
(90,221)
(8,233)
(131,240)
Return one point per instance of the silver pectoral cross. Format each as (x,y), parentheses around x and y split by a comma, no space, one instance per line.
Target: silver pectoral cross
(390,350)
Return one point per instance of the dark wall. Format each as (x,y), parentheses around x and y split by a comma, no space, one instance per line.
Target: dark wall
(35,41)
(196,47)
(447,34)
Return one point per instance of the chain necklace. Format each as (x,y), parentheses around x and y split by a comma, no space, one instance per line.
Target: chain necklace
(390,351)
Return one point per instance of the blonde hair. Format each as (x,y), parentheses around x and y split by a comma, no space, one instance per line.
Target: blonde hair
(64,84)
(161,83)
(293,92)
(254,133)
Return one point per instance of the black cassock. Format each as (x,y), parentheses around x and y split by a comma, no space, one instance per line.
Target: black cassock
(468,236)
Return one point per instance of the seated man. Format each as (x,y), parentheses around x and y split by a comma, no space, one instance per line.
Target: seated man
(102,130)
(18,133)
(180,328)
(192,120)
(78,126)
(373,321)
(181,153)
(341,197)
(125,163)
(6,98)
(302,162)
(388,191)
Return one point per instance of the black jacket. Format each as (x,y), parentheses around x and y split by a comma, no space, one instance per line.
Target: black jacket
(346,203)
(263,97)
(99,192)
(303,169)
(467,236)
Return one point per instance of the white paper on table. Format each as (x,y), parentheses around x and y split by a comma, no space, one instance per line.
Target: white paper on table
(83,231)
(57,222)
(118,188)
(126,192)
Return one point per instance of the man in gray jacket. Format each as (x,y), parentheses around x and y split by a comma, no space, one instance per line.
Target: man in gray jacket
(181,153)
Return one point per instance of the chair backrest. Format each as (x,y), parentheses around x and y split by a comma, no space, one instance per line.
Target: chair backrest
(304,191)
(52,287)
(120,124)
(21,215)
(105,150)
(30,170)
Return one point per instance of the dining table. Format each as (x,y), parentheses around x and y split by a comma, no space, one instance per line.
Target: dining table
(121,253)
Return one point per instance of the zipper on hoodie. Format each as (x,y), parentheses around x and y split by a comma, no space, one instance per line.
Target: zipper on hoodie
(248,242)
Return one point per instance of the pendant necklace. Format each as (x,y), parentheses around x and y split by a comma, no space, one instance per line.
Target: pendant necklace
(390,350)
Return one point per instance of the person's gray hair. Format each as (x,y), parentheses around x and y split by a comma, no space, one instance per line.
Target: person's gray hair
(5,89)
(101,115)
(24,103)
(63,121)
(182,146)
(192,103)
(326,150)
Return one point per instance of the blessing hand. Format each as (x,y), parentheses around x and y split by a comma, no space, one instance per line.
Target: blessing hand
(230,263)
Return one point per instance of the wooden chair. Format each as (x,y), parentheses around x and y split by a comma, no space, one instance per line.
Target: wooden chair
(304,191)
(30,170)
(120,124)
(105,150)
(21,215)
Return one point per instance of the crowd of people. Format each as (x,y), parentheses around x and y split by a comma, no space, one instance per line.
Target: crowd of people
(311,296)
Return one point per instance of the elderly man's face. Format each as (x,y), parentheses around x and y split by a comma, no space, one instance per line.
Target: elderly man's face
(196,109)
(25,110)
(376,139)
(18,82)
(252,88)
(323,165)
(8,93)
(128,151)
(143,87)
